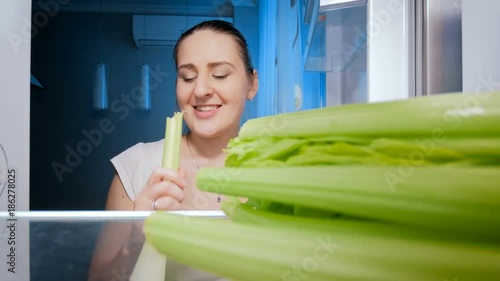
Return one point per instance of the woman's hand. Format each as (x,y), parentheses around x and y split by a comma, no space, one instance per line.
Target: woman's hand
(163,191)
(166,188)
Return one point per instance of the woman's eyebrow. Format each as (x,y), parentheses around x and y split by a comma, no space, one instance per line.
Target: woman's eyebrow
(210,65)
(189,66)
(219,63)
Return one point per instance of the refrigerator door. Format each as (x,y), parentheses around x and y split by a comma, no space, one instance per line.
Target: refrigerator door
(337,47)
(389,49)
(367,50)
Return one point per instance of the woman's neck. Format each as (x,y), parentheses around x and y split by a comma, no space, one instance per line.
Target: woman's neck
(209,148)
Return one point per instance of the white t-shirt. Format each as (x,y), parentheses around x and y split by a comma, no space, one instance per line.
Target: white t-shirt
(134,166)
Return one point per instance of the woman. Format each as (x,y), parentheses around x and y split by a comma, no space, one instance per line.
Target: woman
(215,77)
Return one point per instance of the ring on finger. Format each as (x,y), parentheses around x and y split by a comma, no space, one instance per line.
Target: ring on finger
(154,204)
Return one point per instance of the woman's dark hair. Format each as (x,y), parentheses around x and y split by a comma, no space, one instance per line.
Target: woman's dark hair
(223,27)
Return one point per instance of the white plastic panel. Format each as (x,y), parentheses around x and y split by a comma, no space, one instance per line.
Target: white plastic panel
(391,50)
(481,45)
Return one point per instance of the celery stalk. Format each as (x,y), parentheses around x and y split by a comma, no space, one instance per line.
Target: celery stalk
(244,213)
(151,265)
(479,149)
(451,115)
(173,137)
(450,199)
(251,252)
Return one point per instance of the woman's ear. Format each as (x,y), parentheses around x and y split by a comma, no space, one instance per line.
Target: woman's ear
(254,85)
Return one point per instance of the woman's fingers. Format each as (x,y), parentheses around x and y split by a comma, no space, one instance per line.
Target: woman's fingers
(164,174)
(166,188)
(167,203)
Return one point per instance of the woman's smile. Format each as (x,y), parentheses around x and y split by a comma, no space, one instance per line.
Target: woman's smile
(206,111)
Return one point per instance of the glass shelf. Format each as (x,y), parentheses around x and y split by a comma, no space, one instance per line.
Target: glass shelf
(61,244)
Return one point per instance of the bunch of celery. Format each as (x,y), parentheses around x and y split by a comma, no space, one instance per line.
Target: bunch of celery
(404,190)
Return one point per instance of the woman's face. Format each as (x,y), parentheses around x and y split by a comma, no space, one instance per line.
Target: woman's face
(212,85)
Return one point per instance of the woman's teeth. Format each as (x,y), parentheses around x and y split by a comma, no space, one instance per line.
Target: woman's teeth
(207,107)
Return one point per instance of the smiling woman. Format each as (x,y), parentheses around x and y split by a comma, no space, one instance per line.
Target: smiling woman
(214,79)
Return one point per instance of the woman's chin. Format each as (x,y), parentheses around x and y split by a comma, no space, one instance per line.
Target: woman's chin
(211,131)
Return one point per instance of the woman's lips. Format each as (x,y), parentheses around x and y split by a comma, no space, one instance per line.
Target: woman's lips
(206,111)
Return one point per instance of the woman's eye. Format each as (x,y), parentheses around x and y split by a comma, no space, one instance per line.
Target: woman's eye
(220,77)
(188,79)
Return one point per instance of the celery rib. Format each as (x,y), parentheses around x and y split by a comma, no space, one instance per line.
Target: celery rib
(248,252)
(447,114)
(462,199)
(150,264)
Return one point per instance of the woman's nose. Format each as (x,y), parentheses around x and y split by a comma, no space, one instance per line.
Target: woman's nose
(203,88)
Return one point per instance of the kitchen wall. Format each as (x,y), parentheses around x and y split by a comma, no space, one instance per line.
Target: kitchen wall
(70,143)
